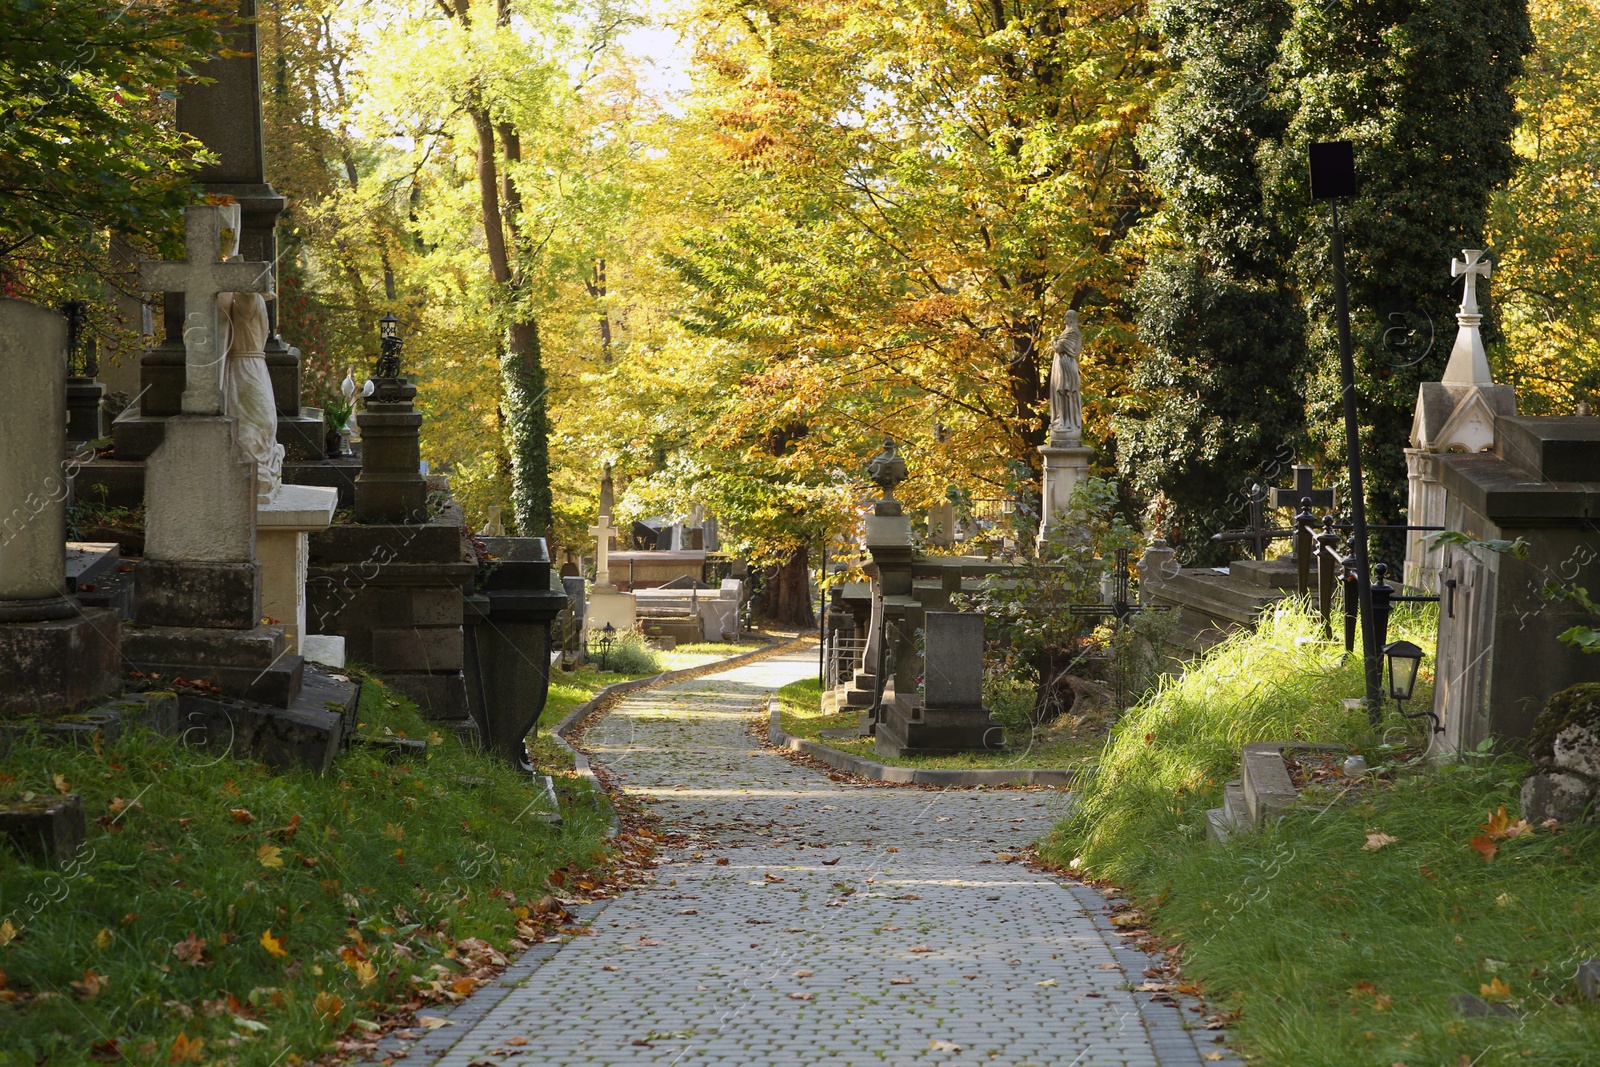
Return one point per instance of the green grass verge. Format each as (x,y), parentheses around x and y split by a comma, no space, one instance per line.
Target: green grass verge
(800,714)
(1332,953)
(393,862)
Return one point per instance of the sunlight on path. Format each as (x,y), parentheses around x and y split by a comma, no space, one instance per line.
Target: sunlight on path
(796,920)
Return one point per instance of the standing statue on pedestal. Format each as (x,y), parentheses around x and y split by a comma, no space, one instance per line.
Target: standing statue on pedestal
(1066,401)
(246,387)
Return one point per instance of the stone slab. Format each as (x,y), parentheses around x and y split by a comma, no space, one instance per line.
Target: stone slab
(299,507)
(88,560)
(435,648)
(257,648)
(48,830)
(953,645)
(380,544)
(325,649)
(60,664)
(1564,448)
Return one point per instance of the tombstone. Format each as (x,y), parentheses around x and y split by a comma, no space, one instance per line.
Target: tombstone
(200,571)
(950,716)
(223,112)
(283,530)
(54,656)
(942,524)
(605,603)
(713,542)
(492,526)
(608,493)
(1455,414)
(509,653)
(1499,657)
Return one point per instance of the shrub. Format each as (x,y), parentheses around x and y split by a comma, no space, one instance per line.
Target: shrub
(629,655)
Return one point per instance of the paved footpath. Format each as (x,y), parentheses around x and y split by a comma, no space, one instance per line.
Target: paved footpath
(803,921)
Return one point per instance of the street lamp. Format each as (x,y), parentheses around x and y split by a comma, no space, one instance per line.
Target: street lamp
(1333,177)
(1404,659)
(389,347)
(608,637)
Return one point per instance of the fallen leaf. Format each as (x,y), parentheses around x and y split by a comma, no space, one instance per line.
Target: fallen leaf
(1108,966)
(799,996)
(939,1044)
(191,950)
(830,863)
(328,1005)
(186,1049)
(366,973)
(8,932)
(1484,846)
(273,946)
(61,783)
(103,938)
(891,848)
(1377,839)
(1213,1055)
(517,1041)
(1048,983)
(919,949)
(1493,988)
(1381,1002)
(270,856)
(722,861)
(689,911)
(242,815)
(91,985)
(901,981)
(802,973)
(772,877)
(432,1022)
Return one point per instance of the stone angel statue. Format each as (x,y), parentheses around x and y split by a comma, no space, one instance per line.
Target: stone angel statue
(247,387)
(1066,401)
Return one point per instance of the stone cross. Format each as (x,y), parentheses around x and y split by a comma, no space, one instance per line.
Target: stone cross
(200,276)
(1468,364)
(1301,490)
(1473,267)
(602,532)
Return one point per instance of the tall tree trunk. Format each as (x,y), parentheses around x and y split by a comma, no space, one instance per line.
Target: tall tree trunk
(789,585)
(527,423)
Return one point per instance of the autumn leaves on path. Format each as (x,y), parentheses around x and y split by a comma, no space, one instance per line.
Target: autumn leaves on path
(798,920)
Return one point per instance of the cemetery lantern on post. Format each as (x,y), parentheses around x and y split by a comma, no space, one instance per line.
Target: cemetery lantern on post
(1333,177)
(388,373)
(1404,659)
(608,637)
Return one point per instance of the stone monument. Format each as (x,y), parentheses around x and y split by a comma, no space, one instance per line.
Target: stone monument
(54,656)
(1066,461)
(606,604)
(1456,414)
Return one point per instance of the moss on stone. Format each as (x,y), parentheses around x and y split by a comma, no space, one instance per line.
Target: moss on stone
(1578,705)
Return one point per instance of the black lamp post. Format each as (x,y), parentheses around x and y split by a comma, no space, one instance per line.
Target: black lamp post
(608,637)
(1404,659)
(1333,177)
(389,350)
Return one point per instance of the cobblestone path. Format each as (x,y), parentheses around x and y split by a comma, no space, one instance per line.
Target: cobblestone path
(799,920)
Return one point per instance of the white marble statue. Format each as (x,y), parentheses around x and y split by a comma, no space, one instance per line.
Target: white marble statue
(1066,402)
(246,387)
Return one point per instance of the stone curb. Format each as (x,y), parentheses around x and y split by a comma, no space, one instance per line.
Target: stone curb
(580,762)
(862,767)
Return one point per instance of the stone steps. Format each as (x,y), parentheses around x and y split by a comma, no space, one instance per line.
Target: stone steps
(1264,792)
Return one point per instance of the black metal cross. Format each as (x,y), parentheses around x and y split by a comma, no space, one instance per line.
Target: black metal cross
(1258,534)
(1301,490)
(1120,607)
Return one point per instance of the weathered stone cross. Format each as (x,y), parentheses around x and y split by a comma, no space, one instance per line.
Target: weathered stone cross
(200,276)
(602,532)
(1474,267)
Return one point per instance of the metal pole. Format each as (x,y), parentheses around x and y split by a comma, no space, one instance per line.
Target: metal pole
(822,618)
(1372,659)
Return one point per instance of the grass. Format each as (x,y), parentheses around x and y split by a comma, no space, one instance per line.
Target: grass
(1332,953)
(800,714)
(222,913)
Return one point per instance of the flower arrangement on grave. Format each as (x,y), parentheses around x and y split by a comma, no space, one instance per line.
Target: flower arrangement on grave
(336,412)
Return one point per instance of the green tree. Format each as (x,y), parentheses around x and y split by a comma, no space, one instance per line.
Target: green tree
(1215,404)
(86,138)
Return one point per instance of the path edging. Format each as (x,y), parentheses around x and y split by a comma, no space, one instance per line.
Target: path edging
(872,770)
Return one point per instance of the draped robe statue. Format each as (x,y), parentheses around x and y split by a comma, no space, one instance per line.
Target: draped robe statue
(1066,401)
(246,387)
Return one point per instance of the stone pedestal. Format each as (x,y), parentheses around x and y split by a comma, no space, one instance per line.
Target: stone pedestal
(53,656)
(283,530)
(86,415)
(390,487)
(395,594)
(508,669)
(1066,464)
(621,610)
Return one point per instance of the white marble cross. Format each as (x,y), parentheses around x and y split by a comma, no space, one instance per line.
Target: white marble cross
(1474,267)
(602,532)
(200,276)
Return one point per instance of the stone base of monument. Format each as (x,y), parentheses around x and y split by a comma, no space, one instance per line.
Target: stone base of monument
(394,592)
(618,609)
(137,436)
(194,593)
(255,664)
(118,482)
(59,665)
(907,728)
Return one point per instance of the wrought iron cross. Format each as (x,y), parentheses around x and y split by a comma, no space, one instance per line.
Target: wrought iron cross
(1121,606)
(1301,491)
